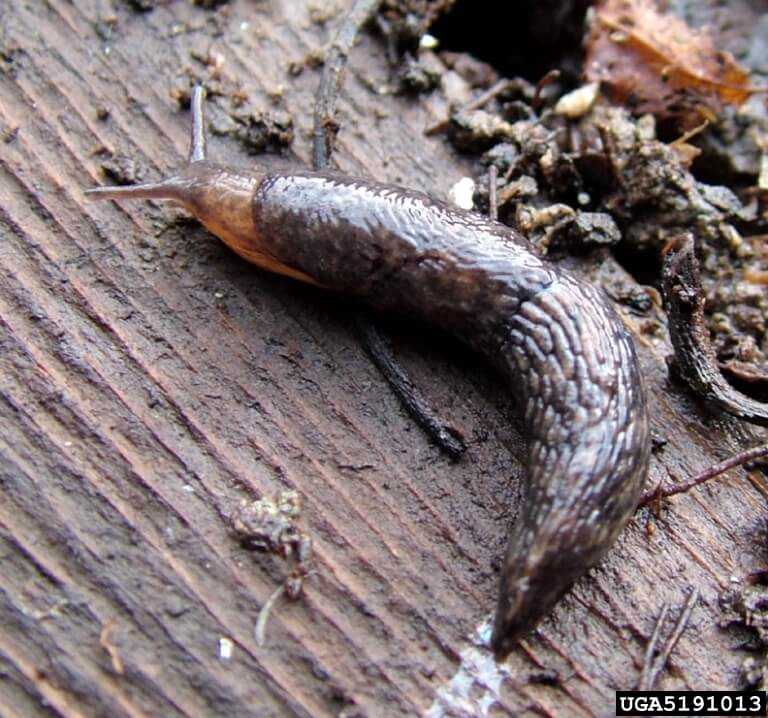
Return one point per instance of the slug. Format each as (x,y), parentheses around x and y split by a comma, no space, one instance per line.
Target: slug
(566,354)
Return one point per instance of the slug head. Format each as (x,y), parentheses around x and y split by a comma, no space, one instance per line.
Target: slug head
(220,197)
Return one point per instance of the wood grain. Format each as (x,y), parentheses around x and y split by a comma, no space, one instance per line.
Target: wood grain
(150,381)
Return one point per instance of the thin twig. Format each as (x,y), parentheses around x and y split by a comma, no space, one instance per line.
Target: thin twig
(709,473)
(266,609)
(654,664)
(493,204)
(197,140)
(651,649)
(747,373)
(330,80)
(105,640)
(480,101)
(548,79)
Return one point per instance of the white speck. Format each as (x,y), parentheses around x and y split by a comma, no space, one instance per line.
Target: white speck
(461,194)
(225,648)
(218,295)
(476,686)
(188,488)
(762,177)
(67,444)
(583,198)
(244,25)
(579,102)
(428,42)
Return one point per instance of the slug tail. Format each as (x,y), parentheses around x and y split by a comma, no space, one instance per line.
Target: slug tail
(588,453)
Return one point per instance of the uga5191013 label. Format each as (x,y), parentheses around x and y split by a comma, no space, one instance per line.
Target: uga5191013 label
(691,703)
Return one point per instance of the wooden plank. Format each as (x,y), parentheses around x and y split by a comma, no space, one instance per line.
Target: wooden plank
(151,381)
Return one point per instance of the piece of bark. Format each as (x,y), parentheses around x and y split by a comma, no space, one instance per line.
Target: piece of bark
(150,381)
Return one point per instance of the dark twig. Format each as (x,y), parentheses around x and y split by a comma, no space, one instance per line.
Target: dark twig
(694,355)
(655,660)
(448,438)
(325,100)
(710,473)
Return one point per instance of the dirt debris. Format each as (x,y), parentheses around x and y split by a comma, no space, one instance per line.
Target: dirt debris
(744,605)
(575,180)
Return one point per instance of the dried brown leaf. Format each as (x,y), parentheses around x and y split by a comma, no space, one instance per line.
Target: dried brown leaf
(657,63)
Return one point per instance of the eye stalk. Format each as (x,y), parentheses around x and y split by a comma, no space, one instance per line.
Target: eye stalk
(220,197)
(177,187)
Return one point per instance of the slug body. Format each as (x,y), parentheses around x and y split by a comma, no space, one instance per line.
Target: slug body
(566,354)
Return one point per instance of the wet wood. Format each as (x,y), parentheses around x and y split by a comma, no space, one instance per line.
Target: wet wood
(150,381)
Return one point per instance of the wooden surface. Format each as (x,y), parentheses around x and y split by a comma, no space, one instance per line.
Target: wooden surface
(150,381)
